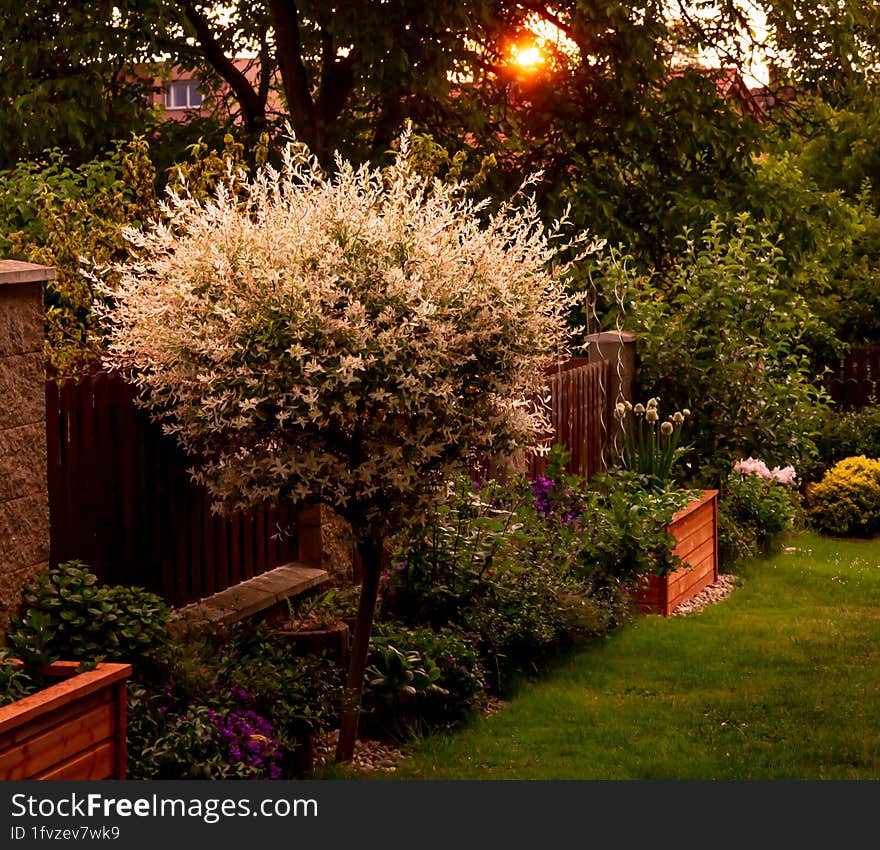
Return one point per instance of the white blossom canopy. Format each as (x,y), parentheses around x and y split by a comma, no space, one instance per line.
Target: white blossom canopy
(350,339)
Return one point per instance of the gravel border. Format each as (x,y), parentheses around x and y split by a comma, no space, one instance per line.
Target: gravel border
(722,588)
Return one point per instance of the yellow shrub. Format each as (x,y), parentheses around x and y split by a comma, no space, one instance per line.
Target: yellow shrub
(847,499)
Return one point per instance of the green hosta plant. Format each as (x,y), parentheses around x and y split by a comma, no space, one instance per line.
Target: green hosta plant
(394,674)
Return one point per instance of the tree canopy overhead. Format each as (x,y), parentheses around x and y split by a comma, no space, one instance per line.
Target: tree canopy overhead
(351,73)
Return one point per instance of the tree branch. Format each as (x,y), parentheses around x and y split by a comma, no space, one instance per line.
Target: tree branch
(294,76)
(253,109)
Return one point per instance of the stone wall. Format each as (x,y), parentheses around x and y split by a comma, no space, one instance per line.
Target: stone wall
(24,497)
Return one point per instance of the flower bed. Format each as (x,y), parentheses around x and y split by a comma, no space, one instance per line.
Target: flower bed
(695,527)
(73,729)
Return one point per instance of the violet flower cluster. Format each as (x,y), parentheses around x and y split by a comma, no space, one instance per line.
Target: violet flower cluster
(548,499)
(249,737)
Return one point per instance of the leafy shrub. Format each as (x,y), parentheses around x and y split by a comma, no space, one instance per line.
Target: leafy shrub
(421,676)
(754,512)
(67,614)
(57,213)
(847,499)
(243,698)
(218,703)
(16,680)
(722,334)
(526,566)
(850,433)
(164,744)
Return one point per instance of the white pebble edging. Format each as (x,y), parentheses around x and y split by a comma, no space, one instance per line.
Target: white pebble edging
(713,593)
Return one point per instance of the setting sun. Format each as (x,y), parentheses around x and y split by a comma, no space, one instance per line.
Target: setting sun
(528,58)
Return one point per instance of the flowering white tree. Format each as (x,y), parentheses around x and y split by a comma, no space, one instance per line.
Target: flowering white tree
(349,339)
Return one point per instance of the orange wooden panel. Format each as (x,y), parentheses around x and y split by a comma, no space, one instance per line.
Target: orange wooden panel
(38,754)
(36,725)
(686,525)
(692,542)
(702,553)
(680,582)
(97,763)
(695,527)
(689,593)
(60,694)
(701,497)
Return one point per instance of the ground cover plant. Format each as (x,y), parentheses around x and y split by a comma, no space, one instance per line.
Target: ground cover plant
(203,702)
(776,682)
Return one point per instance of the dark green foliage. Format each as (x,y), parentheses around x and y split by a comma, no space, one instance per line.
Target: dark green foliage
(16,679)
(68,77)
(850,433)
(68,615)
(722,335)
(527,566)
(223,691)
(829,247)
(71,217)
(420,677)
(225,702)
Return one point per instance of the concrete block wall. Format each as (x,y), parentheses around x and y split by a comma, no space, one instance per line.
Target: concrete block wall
(24,494)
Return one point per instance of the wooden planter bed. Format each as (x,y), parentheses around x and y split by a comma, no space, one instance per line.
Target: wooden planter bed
(73,729)
(695,527)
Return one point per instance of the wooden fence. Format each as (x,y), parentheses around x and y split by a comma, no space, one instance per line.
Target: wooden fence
(581,421)
(121,501)
(581,417)
(856,381)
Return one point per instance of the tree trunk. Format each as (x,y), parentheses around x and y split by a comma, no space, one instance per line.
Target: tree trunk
(371,563)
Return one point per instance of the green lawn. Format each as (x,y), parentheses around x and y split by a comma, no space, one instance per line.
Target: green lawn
(779,681)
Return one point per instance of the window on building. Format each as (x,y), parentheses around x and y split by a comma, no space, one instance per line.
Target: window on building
(183,94)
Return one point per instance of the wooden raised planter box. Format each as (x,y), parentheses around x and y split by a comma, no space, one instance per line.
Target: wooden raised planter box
(72,729)
(695,527)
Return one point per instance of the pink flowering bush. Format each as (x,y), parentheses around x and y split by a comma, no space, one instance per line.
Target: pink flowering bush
(758,506)
(753,466)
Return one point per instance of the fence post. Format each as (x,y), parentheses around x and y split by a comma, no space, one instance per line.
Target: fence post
(619,349)
(24,493)
(308,536)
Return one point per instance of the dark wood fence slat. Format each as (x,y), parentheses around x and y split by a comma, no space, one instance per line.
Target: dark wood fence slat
(121,498)
(856,381)
(122,501)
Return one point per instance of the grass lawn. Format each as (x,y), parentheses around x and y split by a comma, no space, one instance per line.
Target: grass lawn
(779,681)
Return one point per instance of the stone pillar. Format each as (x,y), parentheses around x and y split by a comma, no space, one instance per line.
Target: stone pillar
(326,542)
(24,492)
(620,348)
